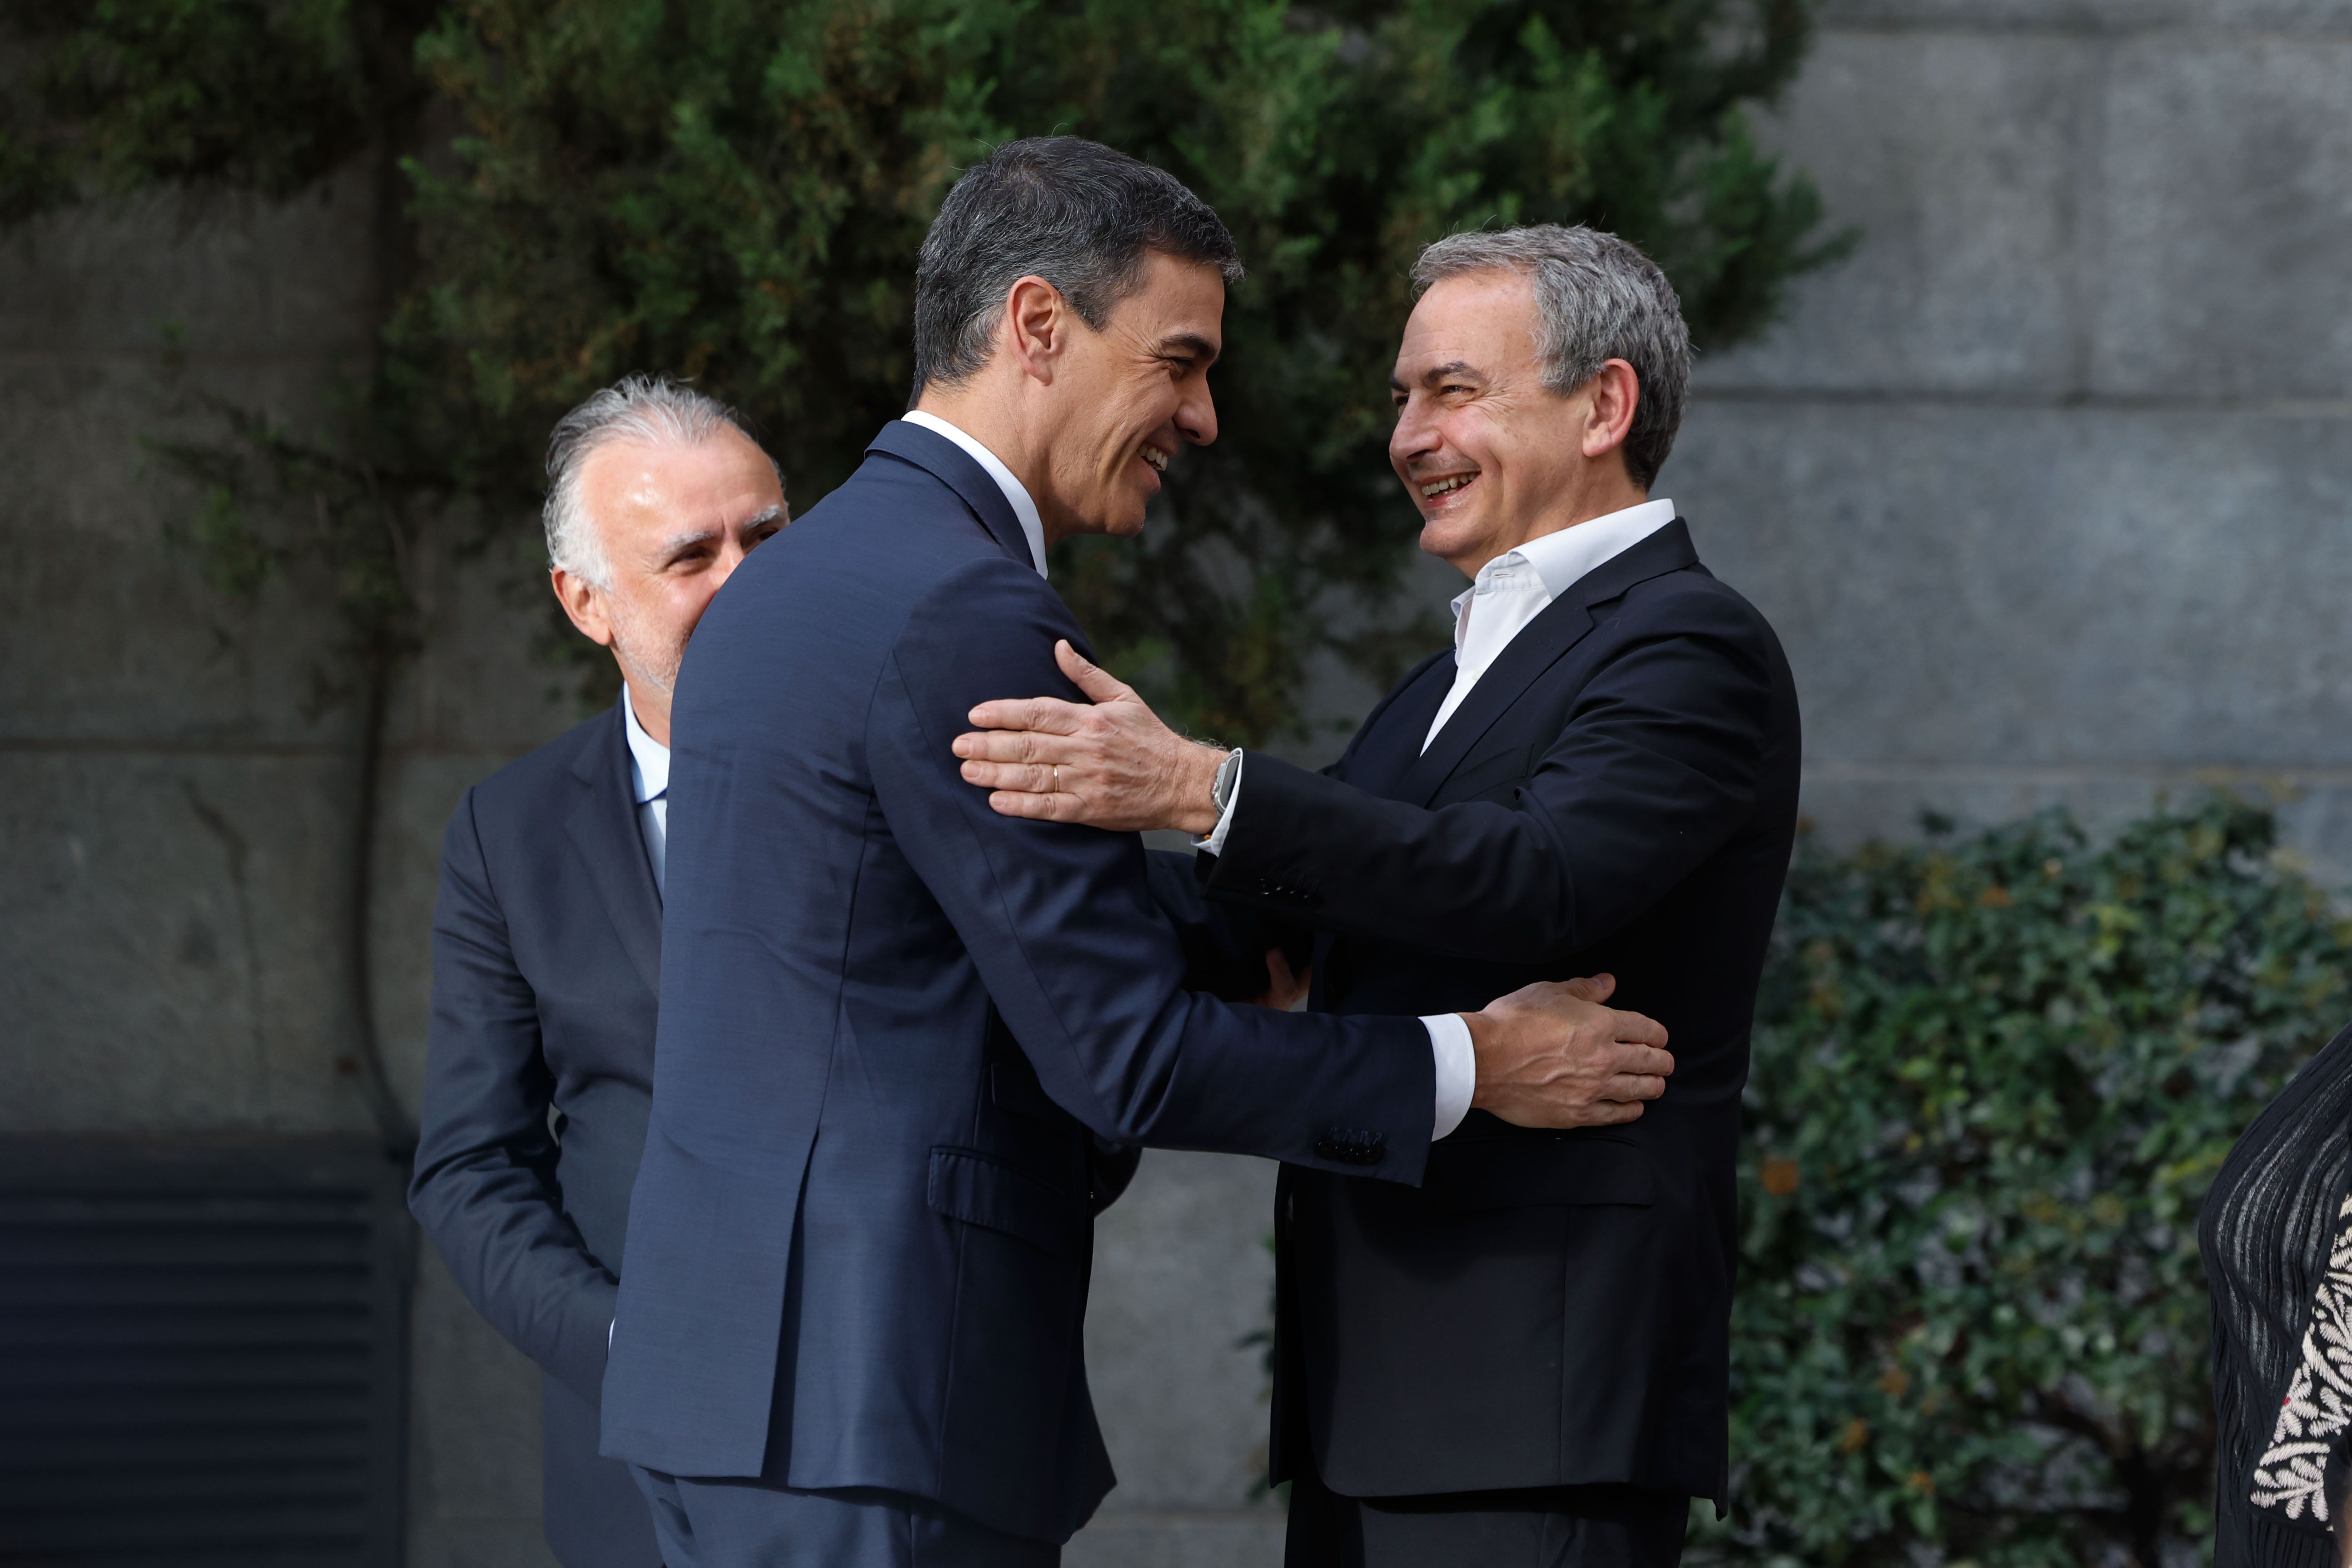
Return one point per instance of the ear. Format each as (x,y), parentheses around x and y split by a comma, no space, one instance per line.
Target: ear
(1615,390)
(584,604)
(1037,323)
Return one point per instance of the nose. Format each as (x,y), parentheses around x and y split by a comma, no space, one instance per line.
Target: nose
(1196,415)
(1416,435)
(730,555)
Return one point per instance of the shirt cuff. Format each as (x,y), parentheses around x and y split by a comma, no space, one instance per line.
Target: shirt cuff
(1457,1070)
(1214,843)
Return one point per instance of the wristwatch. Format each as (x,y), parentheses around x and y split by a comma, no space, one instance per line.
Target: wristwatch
(1229,773)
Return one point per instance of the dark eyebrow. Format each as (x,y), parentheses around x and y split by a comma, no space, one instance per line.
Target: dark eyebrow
(1189,346)
(1435,373)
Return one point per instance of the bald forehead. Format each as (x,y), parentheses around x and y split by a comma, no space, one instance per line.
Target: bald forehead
(660,496)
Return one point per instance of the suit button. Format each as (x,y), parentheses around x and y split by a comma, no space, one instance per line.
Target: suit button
(1350,1146)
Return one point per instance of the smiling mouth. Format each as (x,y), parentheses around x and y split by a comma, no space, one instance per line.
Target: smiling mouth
(1438,489)
(1156,458)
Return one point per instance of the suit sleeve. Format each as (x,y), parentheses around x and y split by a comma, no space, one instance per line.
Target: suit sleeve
(1655,768)
(1085,969)
(1224,945)
(484,1186)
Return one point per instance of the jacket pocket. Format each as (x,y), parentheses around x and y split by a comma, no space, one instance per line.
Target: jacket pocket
(1538,1172)
(969,1185)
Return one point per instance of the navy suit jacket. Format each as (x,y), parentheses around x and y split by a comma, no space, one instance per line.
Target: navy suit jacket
(546,953)
(890,1020)
(1618,792)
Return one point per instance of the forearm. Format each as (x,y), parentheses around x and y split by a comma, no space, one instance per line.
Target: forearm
(499,1224)
(485,1188)
(1084,971)
(1478,879)
(1224,945)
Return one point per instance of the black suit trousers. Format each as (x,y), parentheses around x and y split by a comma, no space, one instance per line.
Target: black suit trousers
(1545,1527)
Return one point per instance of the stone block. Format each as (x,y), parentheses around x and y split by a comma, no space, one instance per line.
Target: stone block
(2089,17)
(1182,1277)
(1958,157)
(1852,804)
(1246,1539)
(108,628)
(2124,590)
(243,280)
(168,963)
(473,1427)
(2224,221)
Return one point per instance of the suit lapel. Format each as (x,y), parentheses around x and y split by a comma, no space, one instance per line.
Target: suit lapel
(951,466)
(602,826)
(1393,736)
(1539,645)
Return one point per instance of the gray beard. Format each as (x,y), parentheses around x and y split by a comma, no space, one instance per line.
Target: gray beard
(644,656)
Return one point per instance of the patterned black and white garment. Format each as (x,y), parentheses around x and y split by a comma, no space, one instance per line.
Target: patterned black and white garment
(2276,1233)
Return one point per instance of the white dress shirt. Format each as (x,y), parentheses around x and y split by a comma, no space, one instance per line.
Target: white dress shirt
(1033,527)
(1449,1037)
(649,781)
(1510,590)
(1519,584)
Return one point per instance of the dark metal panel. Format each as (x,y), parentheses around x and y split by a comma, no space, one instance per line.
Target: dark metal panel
(203,1354)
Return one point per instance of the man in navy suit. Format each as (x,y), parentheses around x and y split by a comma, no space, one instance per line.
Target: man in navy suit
(893,1020)
(547,937)
(1600,777)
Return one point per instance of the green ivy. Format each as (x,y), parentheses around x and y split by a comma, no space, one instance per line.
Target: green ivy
(734,190)
(1993,1079)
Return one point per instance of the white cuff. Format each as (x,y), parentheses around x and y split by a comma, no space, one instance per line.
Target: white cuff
(1457,1070)
(1215,842)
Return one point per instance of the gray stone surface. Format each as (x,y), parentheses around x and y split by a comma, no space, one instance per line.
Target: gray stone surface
(2046,488)
(1181,1278)
(473,1448)
(2224,220)
(1958,155)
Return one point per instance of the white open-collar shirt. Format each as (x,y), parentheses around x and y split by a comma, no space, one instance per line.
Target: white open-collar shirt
(1449,1037)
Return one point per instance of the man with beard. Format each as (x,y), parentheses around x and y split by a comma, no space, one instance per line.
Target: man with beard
(547,937)
(1526,1360)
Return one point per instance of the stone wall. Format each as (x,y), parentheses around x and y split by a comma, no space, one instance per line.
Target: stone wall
(2047,489)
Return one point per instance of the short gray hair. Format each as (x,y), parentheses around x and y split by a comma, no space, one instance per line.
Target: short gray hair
(1081,215)
(1597,298)
(637,410)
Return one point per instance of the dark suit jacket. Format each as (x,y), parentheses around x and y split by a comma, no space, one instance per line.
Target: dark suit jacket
(890,1018)
(546,953)
(1618,792)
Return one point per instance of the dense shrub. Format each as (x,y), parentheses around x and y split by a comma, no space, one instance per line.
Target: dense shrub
(1993,1079)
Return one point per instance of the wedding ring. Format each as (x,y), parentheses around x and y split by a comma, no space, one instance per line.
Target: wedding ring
(1057,779)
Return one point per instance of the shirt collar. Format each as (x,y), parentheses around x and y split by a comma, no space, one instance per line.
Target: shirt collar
(1567,555)
(648,757)
(1033,527)
(1559,558)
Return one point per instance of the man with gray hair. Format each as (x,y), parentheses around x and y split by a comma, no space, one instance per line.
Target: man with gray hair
(547,936)
(1526,1360)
